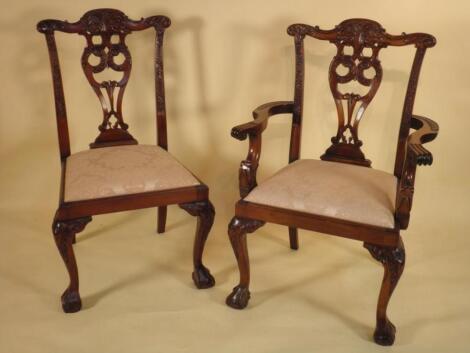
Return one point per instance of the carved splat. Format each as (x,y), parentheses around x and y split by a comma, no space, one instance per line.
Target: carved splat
(363,40)
(105,34)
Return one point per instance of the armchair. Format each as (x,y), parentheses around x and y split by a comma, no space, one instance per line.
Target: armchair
(340,194)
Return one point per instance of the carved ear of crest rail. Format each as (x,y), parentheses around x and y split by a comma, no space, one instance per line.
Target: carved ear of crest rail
(105,32)
(358,44)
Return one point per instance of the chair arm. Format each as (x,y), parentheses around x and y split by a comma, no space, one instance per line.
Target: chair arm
(426,131)
(261,116)
(416,154)
(254,129)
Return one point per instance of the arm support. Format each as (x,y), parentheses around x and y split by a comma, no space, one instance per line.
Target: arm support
(416,154)
(253,130)
(261,116)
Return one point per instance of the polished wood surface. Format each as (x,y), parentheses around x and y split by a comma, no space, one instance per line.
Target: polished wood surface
(105,31)
(358,43)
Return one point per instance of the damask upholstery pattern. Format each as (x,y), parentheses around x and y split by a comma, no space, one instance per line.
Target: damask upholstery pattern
(123,170)
(338,190)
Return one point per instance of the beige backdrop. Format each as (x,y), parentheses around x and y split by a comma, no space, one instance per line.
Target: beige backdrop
(222,60)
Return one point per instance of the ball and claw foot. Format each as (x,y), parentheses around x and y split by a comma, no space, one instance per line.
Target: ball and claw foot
(71,302)
(239,298)
(202,278)
(385,334)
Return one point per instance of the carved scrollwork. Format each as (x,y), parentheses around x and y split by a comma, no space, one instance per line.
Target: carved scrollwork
(105,26)
(361,32)
(239,134)
(49,26)
(159,22)
(105,21)
(358,35)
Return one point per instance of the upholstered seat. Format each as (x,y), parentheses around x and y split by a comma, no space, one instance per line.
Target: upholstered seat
(123,170)
(331,189)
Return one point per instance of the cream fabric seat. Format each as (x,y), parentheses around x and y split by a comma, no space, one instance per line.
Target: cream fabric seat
(331,189)
(123,170)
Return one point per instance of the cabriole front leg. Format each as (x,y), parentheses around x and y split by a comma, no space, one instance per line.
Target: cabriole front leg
(393,260)
(64,235)
(237,230)
(204,211)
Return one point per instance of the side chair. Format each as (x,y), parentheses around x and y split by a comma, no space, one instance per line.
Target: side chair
(116,173)
(339,194)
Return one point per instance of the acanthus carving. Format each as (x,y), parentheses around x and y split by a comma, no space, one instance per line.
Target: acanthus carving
(199,209)
(240,226)
(391,257)
(247,176)
(105,21)
(361,32)
(70,227)
(404,199)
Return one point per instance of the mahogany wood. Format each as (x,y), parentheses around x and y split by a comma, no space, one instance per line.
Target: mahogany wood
(359,36)
(105,32)
(204,211)
(393,260)
(237,231)
(64,234)
(161,221)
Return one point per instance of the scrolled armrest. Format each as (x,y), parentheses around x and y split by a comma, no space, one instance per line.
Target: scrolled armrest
(254,129)
(426,131)
(261,116)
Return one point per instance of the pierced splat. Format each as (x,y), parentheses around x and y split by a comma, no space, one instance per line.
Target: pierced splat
(105,34)
(358,44)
